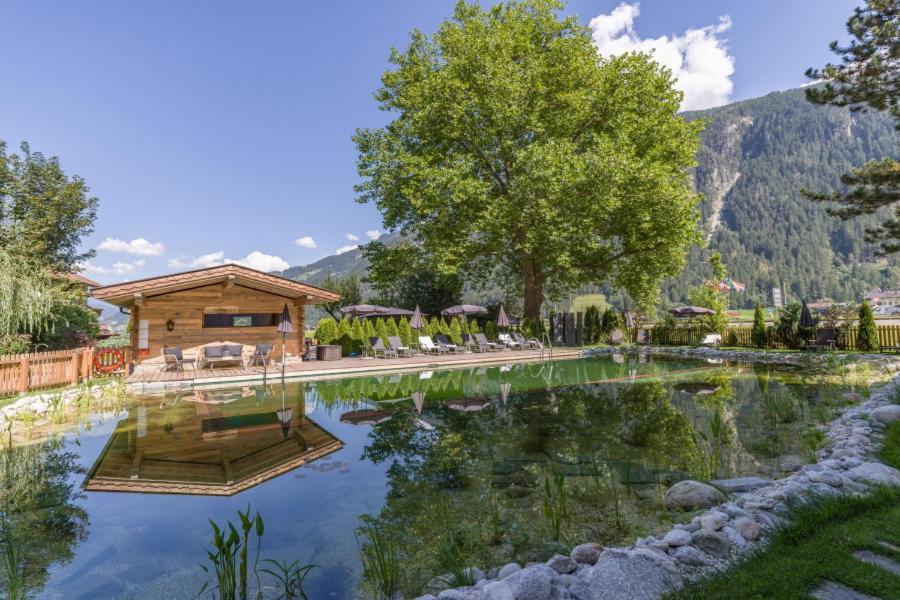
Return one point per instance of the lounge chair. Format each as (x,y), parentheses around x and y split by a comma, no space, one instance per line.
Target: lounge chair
(174,360)
(510,343)
(442,340)
(396,344)
(377,345)
(712,340)
(642,337)
(826,339)
(428,346)
(260,354)
(483,341)
(474,345)
(616,337)
(532,343)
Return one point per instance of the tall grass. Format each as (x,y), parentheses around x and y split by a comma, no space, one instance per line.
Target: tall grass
(555,505)
(381,567)
(13,576)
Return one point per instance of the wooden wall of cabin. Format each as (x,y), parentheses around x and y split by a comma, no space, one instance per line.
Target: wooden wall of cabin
(187,307)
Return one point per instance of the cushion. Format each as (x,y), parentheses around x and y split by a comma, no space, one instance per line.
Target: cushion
(176,352)
(233,349)
(263,349)
(213,351)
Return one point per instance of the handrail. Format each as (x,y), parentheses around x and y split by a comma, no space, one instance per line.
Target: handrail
(548,346)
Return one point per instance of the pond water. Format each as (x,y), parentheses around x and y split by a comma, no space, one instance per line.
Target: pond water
(486,465)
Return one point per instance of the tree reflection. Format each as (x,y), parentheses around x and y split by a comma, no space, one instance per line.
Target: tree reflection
(37,501)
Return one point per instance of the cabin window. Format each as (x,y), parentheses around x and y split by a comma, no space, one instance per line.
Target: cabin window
(240,320)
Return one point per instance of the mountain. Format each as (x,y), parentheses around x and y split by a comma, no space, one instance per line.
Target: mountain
(754,158)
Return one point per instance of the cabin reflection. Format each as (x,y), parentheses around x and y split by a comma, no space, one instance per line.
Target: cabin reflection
(210,442)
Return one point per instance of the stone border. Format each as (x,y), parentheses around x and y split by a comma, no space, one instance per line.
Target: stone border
(41,404)
(728,530)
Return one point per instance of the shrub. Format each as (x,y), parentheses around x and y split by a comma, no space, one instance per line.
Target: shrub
(490,330)
(343,337)
(369,330)
(381,331)
(406,332)
(455,332)
(14,343)
(759,336)
(357,334)
(326,331)
(391,327)
(473,327)
(787,329)
(867,339)
(609,321)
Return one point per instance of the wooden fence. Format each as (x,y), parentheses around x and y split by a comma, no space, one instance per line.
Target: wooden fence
(888,335)
(22,373)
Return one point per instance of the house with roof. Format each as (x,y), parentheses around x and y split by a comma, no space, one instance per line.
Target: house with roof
(881,297)
(228,303)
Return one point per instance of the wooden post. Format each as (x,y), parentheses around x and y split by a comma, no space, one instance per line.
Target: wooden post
(23,375)
(73,376)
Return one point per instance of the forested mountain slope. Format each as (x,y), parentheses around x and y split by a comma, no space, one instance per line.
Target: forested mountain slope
(755,157)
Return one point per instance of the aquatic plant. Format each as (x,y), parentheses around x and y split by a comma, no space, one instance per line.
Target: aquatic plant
(13,573)
(381,567)
(451,556)
(555,505)
(230,556)
(604,482)
(290,578)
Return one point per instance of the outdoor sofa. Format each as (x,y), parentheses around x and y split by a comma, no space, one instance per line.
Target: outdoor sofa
(221,354)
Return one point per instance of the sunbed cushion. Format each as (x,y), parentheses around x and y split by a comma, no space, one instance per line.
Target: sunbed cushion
(176,352)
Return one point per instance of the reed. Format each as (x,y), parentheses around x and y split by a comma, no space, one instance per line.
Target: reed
(381,567)
(290,577)
(555,505)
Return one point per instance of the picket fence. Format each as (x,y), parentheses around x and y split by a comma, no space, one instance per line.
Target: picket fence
(22,373)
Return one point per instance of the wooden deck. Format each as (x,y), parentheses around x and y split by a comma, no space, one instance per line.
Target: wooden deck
(152,378)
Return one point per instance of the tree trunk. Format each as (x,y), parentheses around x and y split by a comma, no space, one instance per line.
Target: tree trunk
(534,294)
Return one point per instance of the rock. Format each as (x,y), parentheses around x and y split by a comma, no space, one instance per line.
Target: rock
(874,473)
(712,542)
(747,527)
(734,511)
(688,555)
(562,564)
(826,477)
(852,397)
(531,583)
(714,520)
(452,595)
(887,414)
(427,597)
(508,569)
(740,484)
(734,537)
(438,584)
(586,553)
(475,573)
(634,574)
(791,463)
(691,494)
(677,537)
(661,547)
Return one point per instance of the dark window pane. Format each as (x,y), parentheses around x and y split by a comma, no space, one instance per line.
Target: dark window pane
(240,320)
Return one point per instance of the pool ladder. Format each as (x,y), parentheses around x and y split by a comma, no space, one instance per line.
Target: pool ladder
(546,344)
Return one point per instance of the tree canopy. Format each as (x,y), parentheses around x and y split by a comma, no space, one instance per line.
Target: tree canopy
(518,151)
(867,77)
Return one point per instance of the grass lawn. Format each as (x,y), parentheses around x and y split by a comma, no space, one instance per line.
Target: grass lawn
(818,545)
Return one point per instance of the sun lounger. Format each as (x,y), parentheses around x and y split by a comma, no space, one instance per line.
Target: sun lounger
(429,347)
(532,343)
(396,344)
(483,341)
(712,340)
(442,340)
(510,343)
(377,345)
(174,360)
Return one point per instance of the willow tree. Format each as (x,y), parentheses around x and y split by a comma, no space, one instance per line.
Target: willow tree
(28,295)
(517,151)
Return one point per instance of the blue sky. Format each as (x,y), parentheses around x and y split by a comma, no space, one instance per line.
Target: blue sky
(216,130)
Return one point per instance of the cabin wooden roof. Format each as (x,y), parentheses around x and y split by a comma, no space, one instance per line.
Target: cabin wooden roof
(123,294)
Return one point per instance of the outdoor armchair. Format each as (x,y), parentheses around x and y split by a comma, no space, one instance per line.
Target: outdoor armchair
(261,354)
(174,360)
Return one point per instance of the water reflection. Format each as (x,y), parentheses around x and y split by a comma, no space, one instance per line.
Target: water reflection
(213,442)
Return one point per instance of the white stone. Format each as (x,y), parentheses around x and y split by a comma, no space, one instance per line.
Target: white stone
(747,527)
(677,537)
(874,473)
(714,520)
(691,494)
(887,414)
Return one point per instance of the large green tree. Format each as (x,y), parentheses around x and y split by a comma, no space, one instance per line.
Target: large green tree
(868,76)
(348,287)
(517,151)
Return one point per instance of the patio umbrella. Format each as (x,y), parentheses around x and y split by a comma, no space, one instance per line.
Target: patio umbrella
(395,312)
(419,401)
(691,311)
(285,326)
(806,320)
(461,310)
(629,319)
(284,416)
(502,319)
(416,320)
(363,310)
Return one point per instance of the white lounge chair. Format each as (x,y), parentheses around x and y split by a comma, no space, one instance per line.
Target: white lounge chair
(428,346)
(712,340)
(510,343)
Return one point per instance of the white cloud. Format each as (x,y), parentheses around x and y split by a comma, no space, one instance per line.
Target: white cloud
(255,260)
(262,262)
(698,58)
(201,262)
(138,247)
(351,237)
(374,234)
(306,242)
(118,268)
(346,248)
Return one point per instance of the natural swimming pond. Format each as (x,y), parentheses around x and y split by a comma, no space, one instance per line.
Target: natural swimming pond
(480,465)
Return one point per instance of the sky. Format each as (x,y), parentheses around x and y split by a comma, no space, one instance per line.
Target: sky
(216,130)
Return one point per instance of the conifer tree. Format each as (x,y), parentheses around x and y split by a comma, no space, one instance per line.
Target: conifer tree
(758,334)
(356,334)
(382,331)
(455,332)
(326,331)
(343,336)
(369,330)
(391,326)
(473,327)
(867,339)
(406,332)
(490,330)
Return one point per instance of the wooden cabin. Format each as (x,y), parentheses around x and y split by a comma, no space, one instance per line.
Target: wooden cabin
(228,303)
